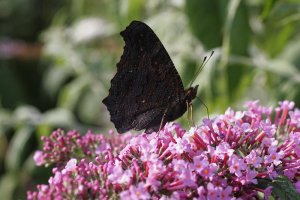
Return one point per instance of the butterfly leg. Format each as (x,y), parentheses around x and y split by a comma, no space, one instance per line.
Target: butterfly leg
(190,113)
(192,119)
(162,123)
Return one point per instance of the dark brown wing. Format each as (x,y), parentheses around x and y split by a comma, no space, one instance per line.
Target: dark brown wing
(146,81)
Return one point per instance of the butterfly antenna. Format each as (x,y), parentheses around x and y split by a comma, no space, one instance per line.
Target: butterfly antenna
(205,60)
(204,106)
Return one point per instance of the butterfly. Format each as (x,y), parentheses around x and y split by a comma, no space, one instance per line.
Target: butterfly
(147,91)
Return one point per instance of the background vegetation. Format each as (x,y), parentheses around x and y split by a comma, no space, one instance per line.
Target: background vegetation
(57,58)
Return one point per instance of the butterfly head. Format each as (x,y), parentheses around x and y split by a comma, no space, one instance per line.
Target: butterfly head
(191,93)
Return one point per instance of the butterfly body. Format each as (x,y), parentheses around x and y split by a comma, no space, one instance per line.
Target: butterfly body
(146,91)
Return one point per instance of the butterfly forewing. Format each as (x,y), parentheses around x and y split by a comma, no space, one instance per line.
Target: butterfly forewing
(146,81)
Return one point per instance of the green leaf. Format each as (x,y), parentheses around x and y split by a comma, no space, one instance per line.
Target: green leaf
(11,89)
(89,107)
(6,121)
(16,152)
(58,117)
(280,26)
(225,22)
(278,39)
(284,189)
(282,68)
(267,8)
(205,21)
(8,185)
(72,92)
(281,188)
(239,78)
(135,9)
(55,78)
(26,114)
(240,31)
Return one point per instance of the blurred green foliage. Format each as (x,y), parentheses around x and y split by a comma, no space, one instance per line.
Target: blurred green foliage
(57,59)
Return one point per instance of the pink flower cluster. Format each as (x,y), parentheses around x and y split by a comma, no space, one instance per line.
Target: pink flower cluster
(226,157)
